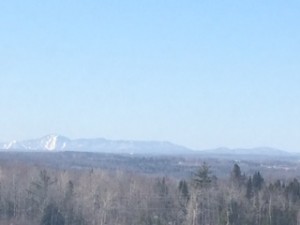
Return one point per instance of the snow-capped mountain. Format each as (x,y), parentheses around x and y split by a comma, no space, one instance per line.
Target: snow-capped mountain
(50,142)
(55,142)
(60,143)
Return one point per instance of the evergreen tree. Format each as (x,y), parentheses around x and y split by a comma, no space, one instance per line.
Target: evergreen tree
(52,216)
(236,175)
(202,178)
(183,189)
(257,181)
(249,190)
(293,190)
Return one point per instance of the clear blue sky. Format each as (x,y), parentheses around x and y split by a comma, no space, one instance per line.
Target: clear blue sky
(203,74)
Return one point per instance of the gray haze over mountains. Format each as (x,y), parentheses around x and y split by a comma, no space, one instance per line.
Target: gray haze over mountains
(55,143)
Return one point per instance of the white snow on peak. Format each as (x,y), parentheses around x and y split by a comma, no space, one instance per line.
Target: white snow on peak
(51,142)
(10,144)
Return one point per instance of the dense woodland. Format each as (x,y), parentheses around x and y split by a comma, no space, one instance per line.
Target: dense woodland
(31,195)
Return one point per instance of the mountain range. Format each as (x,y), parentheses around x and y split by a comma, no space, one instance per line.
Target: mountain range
(56,143)
(246,151)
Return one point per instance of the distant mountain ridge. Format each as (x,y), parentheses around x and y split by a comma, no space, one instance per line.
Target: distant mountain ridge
(246,151)
(55,142)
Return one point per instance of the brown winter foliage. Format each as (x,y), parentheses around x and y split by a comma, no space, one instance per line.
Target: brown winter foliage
(31,195)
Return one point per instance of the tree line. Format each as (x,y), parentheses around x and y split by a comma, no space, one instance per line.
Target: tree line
(31,195)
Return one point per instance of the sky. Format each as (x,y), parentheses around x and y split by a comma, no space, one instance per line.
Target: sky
(202,74)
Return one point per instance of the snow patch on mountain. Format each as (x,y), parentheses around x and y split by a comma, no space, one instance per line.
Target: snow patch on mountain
(10,144)
(51,143)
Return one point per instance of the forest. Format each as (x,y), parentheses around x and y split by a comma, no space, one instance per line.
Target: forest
(35,195)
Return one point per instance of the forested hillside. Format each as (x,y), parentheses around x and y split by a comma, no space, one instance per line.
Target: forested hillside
(31,195)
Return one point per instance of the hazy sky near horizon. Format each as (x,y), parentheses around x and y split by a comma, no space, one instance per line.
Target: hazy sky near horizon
(203,74)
